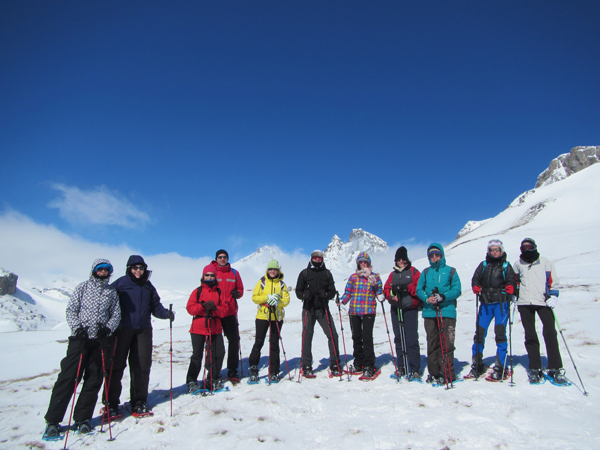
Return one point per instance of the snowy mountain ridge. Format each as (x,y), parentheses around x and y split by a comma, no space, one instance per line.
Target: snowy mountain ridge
(567,164)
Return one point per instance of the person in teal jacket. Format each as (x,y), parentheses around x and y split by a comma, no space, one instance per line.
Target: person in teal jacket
(438,288)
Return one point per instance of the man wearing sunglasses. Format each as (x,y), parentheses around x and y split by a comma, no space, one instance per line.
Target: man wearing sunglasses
(438,289)
(538,293)
(232,289)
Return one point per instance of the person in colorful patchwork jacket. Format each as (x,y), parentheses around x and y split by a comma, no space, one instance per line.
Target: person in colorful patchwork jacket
(438,289)
(363,289)
(271,296)
(538,294)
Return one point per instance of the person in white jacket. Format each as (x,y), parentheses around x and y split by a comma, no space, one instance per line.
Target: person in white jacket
(538,293)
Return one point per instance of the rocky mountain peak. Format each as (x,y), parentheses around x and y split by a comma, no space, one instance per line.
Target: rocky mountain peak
(569,163)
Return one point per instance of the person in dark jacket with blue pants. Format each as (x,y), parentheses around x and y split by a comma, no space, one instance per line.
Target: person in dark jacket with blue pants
(139,300)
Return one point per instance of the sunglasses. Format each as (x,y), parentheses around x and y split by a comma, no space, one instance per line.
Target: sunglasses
(102,269)
(209,275)
(137,267)
(495,250)
(435,253)
(222,257)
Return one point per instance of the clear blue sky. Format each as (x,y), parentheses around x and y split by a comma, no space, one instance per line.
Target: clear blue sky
(190,126)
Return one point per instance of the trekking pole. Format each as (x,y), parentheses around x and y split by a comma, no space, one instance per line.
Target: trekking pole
(402,339)
(212,356)
(511,319)
(305,311)
(75,390)
(569,351)
(477,337)
(337,301)
(269,325)
(390,340)
(283,348)
(106,391)
(443,346)
(112,363)
(335,352)
(171,351)
(206,345)
(240,349)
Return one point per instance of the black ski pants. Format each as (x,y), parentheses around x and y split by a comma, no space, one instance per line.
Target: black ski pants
(411,334)
(532,343)
(137,345)
(231,330)
(435,360)
(362,339)
(323,317)
(262,326)
(89,350)
(215,353)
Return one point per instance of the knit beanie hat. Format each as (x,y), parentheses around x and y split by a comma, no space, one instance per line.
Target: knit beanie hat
(401,253)
(363,256)
(495,243)
(528,241)
(209,269)
(273,264)
(221,252)
(317,253)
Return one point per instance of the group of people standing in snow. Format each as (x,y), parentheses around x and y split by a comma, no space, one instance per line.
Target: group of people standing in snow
(111,323)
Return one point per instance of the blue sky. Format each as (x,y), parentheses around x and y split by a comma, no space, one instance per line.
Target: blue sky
(191,126)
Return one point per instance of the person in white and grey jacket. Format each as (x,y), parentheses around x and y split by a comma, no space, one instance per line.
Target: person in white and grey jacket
(538,293)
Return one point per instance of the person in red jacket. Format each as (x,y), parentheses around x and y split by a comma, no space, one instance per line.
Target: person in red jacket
(401,291)
(206,306)
(232,289)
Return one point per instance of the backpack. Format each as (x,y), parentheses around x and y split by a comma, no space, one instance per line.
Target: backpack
(199,291)
(263,283)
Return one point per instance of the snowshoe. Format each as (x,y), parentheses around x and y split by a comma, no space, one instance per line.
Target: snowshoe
(399,374)
(334,372)
(52,433)
(274,379)
(370,374)
(557,377)
(113,413)
(415,377)
(142,410)
(536,377)
(477,371)
(253,378)
(193,387)
(307,372)
(355,370)
(499,374)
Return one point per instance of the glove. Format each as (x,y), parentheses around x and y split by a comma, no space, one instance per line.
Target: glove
(171,316)
(103,331)
(439,297)
(273,299)
(552,301)
(509,289)
(381,298)
(323,294)
(393,300)
(477,290)
(236,294)
(81,333)
(308,295)
(209,306)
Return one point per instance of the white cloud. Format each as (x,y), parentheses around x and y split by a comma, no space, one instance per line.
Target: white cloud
(98,206)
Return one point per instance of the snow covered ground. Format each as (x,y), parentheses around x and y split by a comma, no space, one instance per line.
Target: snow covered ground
(348,414)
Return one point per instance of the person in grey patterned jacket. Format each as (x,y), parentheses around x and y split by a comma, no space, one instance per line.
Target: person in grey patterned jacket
(93,314)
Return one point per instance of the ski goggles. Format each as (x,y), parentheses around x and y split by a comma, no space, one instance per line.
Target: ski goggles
(106,267)
(495,250)
(434,253)
(528,247)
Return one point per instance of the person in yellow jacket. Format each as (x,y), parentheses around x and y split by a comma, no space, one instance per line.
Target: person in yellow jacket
(271,296)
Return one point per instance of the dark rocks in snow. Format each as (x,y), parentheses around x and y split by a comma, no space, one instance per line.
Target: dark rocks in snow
(8,282)
(567,164)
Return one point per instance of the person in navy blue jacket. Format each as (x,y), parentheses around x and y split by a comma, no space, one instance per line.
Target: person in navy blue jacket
(139,300)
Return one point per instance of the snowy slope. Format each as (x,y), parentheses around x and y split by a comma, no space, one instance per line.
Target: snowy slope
(562,217)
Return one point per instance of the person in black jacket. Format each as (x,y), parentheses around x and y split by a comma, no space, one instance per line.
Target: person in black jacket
(139,300)
(494,282)
(316,287)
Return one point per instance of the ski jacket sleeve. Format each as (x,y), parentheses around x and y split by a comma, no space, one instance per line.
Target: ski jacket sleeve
(194,307)
(114,311)
(421,284)
(330,286)
(258,295)
(349,290)
(455,288)
(157,308)
(387,288)
(511,278)
(476,280)
(412,287)
(73,308)
(301,285)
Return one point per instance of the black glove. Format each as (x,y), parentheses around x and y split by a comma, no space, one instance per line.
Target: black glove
(323,294)
(171,316)
(103,331)
(236,294)
(308,296)
(81,333)
(209,306)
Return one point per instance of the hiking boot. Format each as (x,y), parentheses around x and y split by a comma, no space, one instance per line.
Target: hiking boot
(193,387)
(414,376)
(401,371)
(499,373)
(83,427)
(142,408)
(51,431)
(274,378)
(369,372)
(558,375)
(307,371)
(232,373)
(217,384)
(535,376)
(477,370)
(335,372)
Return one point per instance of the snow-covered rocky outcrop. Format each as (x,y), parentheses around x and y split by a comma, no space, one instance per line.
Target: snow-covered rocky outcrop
(567,164)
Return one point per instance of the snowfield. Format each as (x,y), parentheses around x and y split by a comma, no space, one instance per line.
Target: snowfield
(333,413)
